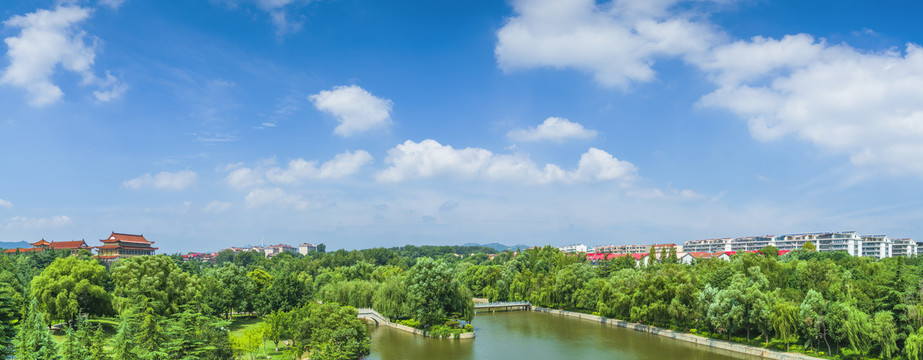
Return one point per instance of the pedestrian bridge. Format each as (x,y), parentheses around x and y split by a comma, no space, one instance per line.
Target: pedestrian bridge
(371,314)
(503,306)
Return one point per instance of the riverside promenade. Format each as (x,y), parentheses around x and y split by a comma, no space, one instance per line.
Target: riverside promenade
(682,336)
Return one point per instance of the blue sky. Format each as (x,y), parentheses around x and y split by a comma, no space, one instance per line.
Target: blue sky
(208,124)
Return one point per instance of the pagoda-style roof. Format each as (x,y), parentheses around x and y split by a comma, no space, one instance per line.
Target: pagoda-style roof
(41,242)
(76,244)
(126,247)
(14,251)
(126,238)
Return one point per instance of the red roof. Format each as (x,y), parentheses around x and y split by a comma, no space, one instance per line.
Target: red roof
(41,242)
(783,252)
(76,244)
(13,251)
(129,238)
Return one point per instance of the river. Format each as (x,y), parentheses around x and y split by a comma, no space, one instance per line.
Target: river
(527,335)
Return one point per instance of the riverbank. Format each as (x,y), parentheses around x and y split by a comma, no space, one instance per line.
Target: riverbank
(378,319)
(681,336)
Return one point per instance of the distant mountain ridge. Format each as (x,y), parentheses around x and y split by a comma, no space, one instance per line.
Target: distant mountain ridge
(14,245)
(499,247)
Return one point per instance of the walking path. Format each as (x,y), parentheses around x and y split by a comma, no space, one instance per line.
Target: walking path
(371,314)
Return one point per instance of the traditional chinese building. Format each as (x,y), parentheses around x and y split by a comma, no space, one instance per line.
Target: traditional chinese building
(119,246)
(41,245)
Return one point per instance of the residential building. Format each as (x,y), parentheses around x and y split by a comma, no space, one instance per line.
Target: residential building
(274,250)
(119,246)
(877,246)
(633,249)
(305,248)
(903,247)
(573,248)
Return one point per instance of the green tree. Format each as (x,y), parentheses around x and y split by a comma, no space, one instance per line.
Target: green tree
(278,326)
(770,250)
(434,293)
(809,246)
(124,340)
(391,299)
(33,340)
(884,333)
(329,331)
(812,313)
(150,337)
(155,281)
(785,321)
(70,286)
(72,348)
(8,318)
(913,347)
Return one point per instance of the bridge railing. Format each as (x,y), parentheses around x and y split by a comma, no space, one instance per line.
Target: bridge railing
(503,303)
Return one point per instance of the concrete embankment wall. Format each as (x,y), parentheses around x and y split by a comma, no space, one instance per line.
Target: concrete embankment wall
(681,336)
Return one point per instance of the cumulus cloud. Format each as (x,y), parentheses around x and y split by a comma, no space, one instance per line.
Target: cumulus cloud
(163,180)
(429,158)
(48,40)
(5,204)
(553,129)
(21,222)
(868,106)
(355,109)
(217,206)
(275,197)
(617,42)
(299,170)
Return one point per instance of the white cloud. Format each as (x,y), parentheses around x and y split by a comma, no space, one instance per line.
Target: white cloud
(356,109)
(163,180)
(114,4)
(429,158)
(20,222)
(298,170)
(616,42)
(281,13)
(217,206)
(275,197)
(553,129)
(5,204)
(49,39)
(868,106)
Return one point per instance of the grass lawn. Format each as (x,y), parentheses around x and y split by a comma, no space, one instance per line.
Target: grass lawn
(241,324)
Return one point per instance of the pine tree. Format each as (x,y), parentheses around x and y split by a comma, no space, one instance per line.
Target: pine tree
(124,340)
(72,348)
(150,337)
(33,341)
(8,316)
(96,350)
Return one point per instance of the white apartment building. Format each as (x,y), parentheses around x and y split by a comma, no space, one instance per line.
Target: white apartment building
(573,248)
(904,247)
(305,248)
(877,246)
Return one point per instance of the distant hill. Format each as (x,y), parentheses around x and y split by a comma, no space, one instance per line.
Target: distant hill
(14,245)
(499,247)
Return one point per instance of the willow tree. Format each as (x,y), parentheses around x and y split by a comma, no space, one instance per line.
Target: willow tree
(434,293)
(69,287)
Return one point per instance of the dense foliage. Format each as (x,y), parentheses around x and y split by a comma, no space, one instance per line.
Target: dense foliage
(166,308)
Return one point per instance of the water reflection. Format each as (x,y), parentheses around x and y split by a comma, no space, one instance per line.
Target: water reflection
(526,335)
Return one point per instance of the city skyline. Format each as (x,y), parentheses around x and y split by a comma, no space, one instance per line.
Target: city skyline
(359,124)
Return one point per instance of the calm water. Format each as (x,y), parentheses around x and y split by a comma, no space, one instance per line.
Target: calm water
(527,335)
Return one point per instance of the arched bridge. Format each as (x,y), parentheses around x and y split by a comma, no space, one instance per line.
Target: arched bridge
(373,315)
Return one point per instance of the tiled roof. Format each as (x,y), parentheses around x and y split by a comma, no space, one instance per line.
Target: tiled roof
(40,243)
(130,238)
(76,244)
